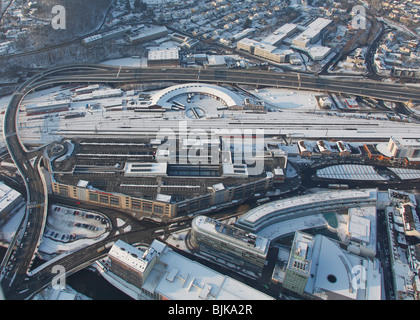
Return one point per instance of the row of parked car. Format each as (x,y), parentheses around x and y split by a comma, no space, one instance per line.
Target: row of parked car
(66,237)
(87,226)
(83,214)
(55,235)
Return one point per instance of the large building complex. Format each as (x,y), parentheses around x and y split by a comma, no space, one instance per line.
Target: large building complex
(146,179)
(233,243)
(280,34)
(306,40)
(162,274)
(312,34)
(403,224)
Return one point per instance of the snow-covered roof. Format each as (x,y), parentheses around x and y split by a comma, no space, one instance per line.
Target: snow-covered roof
(7,196)
(163,198)
(316,27)
(128,255)
(185,279)
(163,97)
(230,169)
(309,201)
(164,54)
(335,272)
(359,228)
(145,169)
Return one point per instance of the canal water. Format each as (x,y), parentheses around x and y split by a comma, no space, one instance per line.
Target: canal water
(94,286)
(90,284)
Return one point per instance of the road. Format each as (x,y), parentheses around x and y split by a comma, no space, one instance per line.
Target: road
(36,201)
(16,282)
(109,74)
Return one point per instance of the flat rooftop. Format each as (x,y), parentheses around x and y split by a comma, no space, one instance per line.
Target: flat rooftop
(401,142)
(179,278)
(332,273)
(230,233)
(132,257)
(164,54)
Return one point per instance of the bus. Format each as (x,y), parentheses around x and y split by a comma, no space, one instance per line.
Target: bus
(179,104)
(263,200)
(338,186)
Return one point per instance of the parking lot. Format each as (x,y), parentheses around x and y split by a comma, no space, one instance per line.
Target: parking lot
(70,224)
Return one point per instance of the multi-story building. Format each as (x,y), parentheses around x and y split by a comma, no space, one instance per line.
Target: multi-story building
(233,243)
(132,264)
(160,273)
(280,34)
(246,44)
(404,148)
(312,34)
(299,264)
(263,50)
(163,57)
(306,40)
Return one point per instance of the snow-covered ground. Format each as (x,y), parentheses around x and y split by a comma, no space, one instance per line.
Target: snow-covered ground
(68,293)
(8,231)
(288,99)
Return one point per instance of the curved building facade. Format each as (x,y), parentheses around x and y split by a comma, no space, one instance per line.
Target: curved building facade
(164,97)
(295,207)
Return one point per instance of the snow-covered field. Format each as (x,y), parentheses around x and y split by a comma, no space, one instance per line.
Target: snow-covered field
(288,99)
(8,231)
